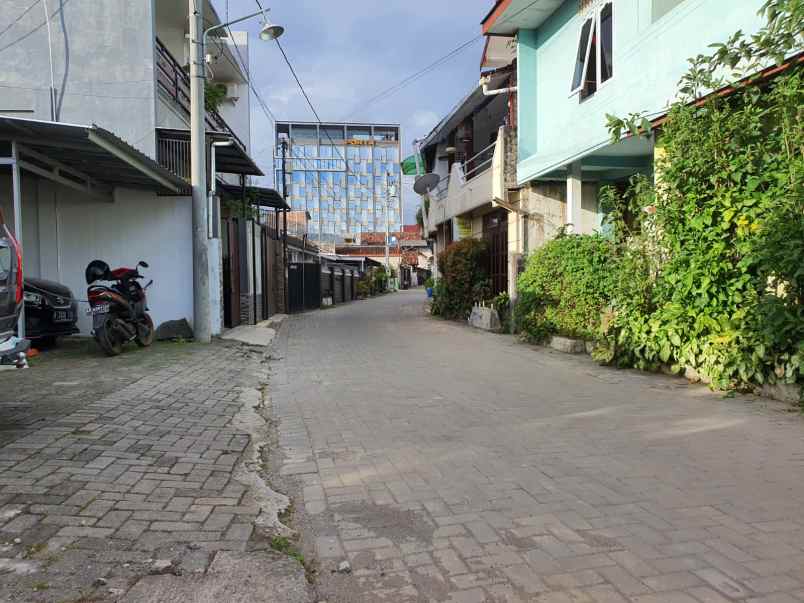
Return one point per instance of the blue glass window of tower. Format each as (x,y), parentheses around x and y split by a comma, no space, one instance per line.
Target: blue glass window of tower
(331,134)
(325,152)
(358,133)
(311,152)
(305,133)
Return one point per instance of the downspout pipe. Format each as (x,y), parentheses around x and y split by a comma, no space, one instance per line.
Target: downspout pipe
(484,82)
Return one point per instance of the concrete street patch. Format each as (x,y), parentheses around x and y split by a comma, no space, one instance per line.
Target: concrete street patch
(255,335)
(232,577)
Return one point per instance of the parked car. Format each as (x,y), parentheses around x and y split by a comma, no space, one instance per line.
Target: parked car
(12,349)
(51,311)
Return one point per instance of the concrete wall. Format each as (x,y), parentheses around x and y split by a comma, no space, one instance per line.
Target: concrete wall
(650,56)
(237,113)
(488,120)
(103,57)
(63,230)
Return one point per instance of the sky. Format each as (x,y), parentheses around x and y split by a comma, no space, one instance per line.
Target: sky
(347,51)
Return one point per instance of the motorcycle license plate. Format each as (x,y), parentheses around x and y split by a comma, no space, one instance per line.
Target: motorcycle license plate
(100,309)
(62,316)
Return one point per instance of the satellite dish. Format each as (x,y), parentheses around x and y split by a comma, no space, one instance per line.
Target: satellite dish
(426,183)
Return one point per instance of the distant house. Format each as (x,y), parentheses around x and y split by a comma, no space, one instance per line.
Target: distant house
(409,254)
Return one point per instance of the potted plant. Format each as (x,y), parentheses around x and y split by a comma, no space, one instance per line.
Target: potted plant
(428,286)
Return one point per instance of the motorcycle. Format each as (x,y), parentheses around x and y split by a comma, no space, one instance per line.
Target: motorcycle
(120,311)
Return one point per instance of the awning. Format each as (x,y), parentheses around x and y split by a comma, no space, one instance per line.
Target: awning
(264,197)
(228,160)
(509,16)
(88,158)
(499,51)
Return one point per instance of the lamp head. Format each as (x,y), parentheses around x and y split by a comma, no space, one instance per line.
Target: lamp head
(271,31)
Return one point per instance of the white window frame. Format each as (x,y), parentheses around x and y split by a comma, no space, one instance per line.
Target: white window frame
(589,16)
(596,33)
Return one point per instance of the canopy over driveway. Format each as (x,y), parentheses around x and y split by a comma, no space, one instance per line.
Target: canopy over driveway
(88,159)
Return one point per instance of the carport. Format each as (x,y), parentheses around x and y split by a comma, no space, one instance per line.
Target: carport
(87,159)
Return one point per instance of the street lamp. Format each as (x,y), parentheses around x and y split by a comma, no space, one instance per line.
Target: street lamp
(270,31)
(202,312)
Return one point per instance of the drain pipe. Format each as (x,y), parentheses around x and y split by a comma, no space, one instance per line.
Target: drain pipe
(484,81)
(212,209)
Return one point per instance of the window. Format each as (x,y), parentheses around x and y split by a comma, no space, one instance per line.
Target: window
(594,61)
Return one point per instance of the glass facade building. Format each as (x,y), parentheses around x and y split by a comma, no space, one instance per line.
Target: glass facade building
(345,175)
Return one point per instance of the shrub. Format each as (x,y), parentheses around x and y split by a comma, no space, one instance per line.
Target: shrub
(566,285)
(379,280)
(464,279)
(429,283)
(363,287)
(727,296)
(502,304)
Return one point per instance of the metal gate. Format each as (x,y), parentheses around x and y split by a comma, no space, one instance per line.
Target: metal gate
(495,232)
(231,272)
(304,286)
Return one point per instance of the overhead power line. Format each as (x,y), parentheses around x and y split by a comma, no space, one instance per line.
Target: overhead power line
(18,19)
(413,77)
(266,109)
(390,91)
(35,29)
(307,98)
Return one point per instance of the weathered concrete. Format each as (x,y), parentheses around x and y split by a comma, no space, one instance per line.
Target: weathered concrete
(449,464)
(486,319)
(231,578)
(256,335)
(568,345)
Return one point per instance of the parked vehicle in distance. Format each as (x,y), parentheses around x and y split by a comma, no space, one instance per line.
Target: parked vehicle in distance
(120,311)
(12,349)
(51,311)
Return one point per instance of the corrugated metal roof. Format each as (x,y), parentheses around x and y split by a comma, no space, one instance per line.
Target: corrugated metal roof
(264,197)
(93,151)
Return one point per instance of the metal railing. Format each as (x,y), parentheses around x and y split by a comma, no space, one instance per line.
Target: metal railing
(479,163)
(174,154)
(175,82)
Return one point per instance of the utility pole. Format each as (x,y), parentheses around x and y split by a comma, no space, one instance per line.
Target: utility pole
(285,268)
(202,327)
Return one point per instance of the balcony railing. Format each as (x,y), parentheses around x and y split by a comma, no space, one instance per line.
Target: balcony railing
(175,82)
(479,163)
(174,154)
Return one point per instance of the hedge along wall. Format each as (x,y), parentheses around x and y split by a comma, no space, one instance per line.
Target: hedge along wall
(464,279)
(565,287)
(722,280)
(706,268)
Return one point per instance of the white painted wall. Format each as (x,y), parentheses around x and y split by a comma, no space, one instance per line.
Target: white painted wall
(63,230)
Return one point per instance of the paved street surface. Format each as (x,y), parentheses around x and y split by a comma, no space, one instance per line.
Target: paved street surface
(447,464)
(113,469)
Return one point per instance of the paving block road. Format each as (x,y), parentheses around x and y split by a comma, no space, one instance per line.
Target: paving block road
(112,469)
(448,464)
